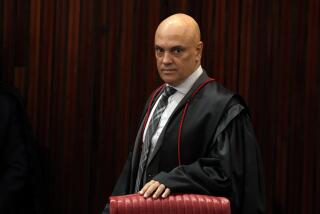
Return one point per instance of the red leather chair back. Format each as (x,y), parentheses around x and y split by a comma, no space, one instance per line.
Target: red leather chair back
(174,204)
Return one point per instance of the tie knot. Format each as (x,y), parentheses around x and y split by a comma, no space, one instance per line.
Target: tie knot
(168,91)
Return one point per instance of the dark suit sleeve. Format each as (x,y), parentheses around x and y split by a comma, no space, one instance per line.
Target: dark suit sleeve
(13,158)
(231,168)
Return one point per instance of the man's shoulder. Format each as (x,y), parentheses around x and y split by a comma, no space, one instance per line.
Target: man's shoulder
(216,87)
(10,100)
(216,93)
(9,94)
(7,103)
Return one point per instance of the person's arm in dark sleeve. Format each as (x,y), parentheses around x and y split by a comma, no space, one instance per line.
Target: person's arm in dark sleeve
(14,160)
(232,167)
(244,165)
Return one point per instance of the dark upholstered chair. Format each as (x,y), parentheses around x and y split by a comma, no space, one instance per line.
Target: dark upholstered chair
(174,204)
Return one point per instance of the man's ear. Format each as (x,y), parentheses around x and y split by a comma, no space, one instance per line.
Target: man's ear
(199,48)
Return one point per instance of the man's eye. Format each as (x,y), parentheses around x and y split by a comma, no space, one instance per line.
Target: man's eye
(177,51)
(159,50)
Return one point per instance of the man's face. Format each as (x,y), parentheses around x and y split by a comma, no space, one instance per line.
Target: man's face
(177,55)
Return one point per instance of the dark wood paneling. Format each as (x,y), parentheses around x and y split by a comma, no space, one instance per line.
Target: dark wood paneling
(86,68)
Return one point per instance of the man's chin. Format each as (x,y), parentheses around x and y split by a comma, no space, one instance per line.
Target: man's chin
(170,81)
(170,78)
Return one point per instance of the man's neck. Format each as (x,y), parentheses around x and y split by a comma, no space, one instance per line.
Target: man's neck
(185,86)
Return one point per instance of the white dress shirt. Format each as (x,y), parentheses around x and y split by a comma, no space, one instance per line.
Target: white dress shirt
(173,101)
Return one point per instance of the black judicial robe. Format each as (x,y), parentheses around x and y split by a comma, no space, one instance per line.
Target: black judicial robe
(219,153)
(19,176)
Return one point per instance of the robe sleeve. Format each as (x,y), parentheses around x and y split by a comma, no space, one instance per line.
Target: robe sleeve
(14,162)
(232,167)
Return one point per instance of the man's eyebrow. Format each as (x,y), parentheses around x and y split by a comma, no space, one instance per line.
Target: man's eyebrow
(177,47)
(174,47)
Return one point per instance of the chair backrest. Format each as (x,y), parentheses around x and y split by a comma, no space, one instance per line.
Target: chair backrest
(174,204)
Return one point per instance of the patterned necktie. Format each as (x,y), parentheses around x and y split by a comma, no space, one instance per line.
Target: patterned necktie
(152,127)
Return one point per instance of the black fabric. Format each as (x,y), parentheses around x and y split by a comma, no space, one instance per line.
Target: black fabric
(20,183)
(219,152)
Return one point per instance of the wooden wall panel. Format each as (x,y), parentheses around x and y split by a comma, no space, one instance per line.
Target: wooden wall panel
(86,68)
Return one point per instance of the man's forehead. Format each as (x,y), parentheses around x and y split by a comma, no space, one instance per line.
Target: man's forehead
(170,43)
(171,39)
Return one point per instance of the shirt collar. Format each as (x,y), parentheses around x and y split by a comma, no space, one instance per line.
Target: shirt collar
(185,86)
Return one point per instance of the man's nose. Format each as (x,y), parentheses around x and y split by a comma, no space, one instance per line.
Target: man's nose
(167,58)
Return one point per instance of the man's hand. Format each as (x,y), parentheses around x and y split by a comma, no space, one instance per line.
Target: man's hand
(155,189)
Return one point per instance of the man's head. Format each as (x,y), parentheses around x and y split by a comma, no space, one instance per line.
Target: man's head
(178,48)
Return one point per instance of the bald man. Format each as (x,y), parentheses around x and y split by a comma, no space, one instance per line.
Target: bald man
(196,139)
